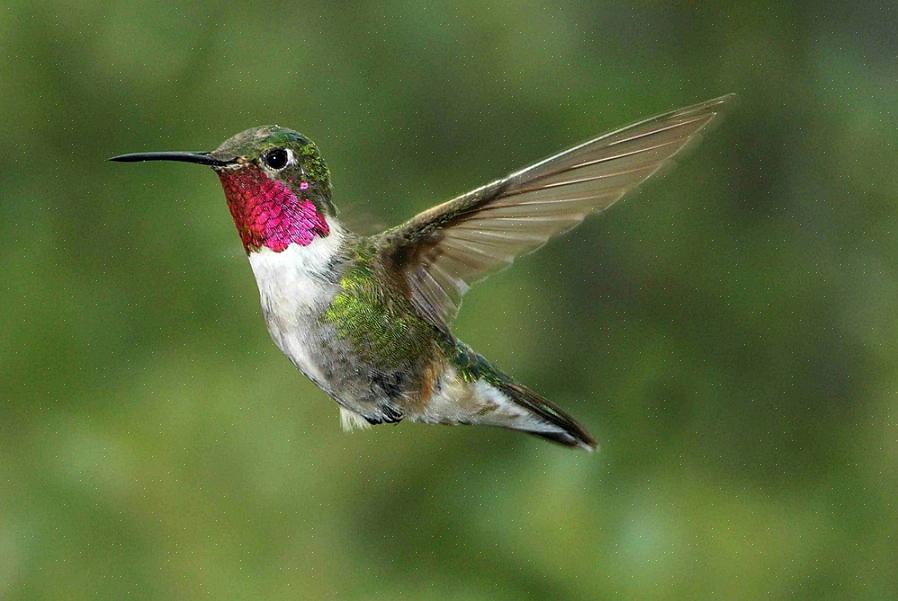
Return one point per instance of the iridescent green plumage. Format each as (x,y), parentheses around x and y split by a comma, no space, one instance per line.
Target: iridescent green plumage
(378,319)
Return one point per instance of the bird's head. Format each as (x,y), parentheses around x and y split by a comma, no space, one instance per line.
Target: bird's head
(277,185)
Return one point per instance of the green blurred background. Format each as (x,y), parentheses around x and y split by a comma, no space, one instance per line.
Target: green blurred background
(729,333)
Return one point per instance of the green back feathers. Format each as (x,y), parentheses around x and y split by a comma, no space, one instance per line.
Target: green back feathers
(376,317)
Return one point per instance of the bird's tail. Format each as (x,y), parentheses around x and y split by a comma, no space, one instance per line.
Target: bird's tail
(564,429)
(478,393)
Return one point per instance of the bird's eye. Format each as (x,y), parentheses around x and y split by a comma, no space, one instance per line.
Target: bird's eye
(277,158)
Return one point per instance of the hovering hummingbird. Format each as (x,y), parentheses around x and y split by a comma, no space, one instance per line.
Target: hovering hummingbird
(367,318)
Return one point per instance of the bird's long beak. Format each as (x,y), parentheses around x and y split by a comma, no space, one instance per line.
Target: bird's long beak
(202,158)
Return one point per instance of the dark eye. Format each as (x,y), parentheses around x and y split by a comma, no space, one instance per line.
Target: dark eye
(277,158)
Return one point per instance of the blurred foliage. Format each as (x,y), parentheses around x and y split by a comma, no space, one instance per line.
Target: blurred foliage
(729,333)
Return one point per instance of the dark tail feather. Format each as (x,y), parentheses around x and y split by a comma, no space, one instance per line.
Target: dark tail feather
(572,434)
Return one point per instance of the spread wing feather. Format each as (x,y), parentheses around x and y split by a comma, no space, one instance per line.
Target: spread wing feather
(442,251)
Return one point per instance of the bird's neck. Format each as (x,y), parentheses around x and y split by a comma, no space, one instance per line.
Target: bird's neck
(301,276)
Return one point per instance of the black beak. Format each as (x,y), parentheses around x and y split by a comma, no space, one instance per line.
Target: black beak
(202,158)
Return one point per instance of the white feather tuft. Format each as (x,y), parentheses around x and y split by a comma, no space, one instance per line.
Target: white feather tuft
(350,420)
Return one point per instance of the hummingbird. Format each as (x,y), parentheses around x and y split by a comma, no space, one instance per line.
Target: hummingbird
(367,318)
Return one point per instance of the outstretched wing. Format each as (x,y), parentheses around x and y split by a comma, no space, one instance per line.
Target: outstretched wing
(444,250)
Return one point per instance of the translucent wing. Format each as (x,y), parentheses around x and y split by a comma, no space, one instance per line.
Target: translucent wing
(444,250)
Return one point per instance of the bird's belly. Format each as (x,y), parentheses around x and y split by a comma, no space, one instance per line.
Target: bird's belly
(298,347)
(294,288)
(328,361)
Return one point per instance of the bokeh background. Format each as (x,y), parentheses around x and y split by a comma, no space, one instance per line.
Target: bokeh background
(729,333)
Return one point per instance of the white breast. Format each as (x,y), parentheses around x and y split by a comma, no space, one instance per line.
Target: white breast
(295,286)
